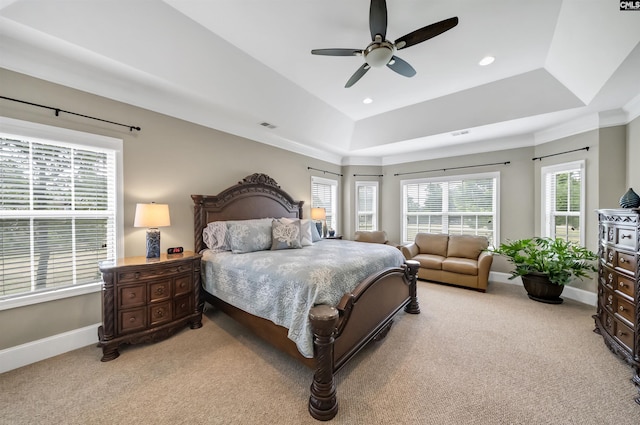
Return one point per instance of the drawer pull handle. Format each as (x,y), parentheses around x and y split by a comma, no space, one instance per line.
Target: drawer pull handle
(160,290)
(621,308)
(132,294)
(622,260)
(183,305)
(133,319)
(182,285)
(159,313)
(625,236)
(620,333)
(621,284)
(136,275)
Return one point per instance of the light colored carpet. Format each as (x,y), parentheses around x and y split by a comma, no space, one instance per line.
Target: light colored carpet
(469,358)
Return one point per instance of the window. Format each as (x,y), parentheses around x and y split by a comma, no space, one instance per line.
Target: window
(57,207)
(563,201)
(324,194)
(457,205)
(366,205)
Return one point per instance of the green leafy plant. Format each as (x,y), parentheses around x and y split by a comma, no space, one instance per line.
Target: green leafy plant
(560,260)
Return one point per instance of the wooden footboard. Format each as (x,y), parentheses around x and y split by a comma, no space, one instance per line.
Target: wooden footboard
(363,315)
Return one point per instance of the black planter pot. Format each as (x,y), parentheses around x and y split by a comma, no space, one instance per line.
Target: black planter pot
(539,288)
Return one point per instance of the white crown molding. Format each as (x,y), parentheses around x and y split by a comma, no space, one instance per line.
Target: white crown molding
(579,125)
(632,108)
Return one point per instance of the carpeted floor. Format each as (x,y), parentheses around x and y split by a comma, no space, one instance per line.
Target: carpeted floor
(469,358)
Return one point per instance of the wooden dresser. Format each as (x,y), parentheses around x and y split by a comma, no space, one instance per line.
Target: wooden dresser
(618,314)
(145,300)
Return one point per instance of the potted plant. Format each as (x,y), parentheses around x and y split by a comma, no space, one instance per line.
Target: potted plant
(546,265)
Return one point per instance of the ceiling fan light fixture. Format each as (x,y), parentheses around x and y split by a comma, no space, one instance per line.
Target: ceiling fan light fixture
(487,60)
(378,55)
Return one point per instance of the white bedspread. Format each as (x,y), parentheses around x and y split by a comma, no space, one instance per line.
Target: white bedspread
(283,285)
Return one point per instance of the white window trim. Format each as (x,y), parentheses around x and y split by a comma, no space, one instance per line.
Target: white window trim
(10,127)
(322,180)
(550,169)
(496,198)
(376,206)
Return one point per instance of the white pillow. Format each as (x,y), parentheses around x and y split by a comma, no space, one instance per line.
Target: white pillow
(215,236)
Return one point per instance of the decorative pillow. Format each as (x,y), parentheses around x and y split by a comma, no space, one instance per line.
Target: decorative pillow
(315,234)
(306,235)
(249,235)
(285,235)
(215,236)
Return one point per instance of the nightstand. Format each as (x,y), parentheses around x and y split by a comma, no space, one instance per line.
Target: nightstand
(146,300)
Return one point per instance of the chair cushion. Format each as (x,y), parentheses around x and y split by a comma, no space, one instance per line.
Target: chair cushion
(372,236)
(460,265)
(432,243)
(466,246)
(429,261)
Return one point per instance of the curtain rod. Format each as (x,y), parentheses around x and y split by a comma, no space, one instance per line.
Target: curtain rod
(368,175)
(454,168)
(58,110)
(586,148)
(324,171)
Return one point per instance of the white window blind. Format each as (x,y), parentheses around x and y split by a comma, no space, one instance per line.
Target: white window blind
(57,214)
(367,205)
(563,201)
(324,194)
(453,205)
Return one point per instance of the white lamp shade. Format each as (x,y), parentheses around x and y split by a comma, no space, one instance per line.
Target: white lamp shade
(152,215)
(318,214)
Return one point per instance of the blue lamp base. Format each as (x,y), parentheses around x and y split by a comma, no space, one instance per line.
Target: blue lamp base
(153,243)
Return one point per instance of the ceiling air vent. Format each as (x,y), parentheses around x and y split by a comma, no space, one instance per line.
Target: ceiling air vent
(460,133)
(269,126)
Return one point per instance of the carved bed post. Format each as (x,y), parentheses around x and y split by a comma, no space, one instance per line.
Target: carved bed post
(412,275)
(323,403)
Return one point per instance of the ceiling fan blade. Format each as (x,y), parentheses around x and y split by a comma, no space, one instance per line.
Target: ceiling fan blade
(337,52)
(378,18)
(425,33)
(401,67)
(357,75)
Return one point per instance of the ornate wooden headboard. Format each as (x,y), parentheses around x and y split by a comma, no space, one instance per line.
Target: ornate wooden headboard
(256,196)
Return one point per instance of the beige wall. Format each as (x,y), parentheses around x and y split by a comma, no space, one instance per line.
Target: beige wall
(633,155)
(171,159)
(166,162)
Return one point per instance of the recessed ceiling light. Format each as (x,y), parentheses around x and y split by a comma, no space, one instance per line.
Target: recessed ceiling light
(487,60)
(367,100)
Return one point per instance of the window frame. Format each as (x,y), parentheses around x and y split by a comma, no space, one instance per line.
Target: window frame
(334,222)
(546,215)
(375,204)
(41,133)
(445,214)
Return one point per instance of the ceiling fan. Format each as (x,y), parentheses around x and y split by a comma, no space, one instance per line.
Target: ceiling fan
(380,51)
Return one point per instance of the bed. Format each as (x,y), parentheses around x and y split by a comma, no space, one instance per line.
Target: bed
(333,328)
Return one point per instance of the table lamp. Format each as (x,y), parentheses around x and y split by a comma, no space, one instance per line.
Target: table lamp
(152,216)
(319,215)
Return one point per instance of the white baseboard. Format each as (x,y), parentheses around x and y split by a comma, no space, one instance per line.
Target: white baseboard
(31,352)
(576,294)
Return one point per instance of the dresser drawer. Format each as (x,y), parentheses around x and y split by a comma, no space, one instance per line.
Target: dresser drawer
(182,306)
(626,286)
(625,309)
(160,290)
(607,299)
(627,261)
(607,322)
(160,313)
(183,285)
(132,320)
(626,237)
(131,296)
(607,277)
(624,334)
(154,273)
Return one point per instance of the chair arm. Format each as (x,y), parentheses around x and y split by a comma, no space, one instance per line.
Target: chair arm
(410,250)
(484,266)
